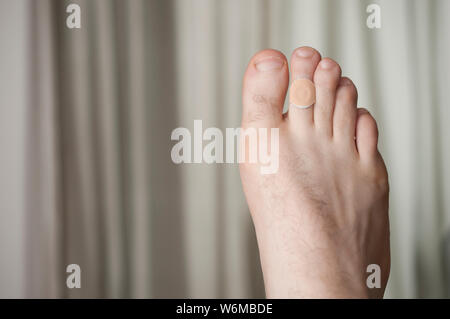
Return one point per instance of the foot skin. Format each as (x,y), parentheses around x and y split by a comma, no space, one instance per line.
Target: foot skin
(323,217)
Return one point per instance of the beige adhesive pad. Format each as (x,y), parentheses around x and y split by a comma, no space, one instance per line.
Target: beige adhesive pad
(302,93)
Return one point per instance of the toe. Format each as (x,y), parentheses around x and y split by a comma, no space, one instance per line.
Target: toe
(344,118)
(264,89)
(326,79)
(366,134)
(304,61)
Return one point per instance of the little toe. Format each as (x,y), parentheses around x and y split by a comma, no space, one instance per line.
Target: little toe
(366,134)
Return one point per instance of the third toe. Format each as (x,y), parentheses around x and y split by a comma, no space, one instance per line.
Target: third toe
(344,118)
(326,79)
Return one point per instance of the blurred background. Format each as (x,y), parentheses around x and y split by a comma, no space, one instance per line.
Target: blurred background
(86,116)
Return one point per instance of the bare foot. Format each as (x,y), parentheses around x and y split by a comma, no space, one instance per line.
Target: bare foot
(323,217)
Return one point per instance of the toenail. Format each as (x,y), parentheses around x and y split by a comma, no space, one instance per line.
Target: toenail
(326,64)
(364,111)
(344,82)
(304,52)
(269,63)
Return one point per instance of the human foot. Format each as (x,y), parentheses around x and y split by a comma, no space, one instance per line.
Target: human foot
(323,217)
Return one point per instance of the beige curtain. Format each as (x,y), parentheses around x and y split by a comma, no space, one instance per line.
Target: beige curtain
(100,189)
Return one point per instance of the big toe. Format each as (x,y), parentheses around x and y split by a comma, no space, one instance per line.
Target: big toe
(264,89)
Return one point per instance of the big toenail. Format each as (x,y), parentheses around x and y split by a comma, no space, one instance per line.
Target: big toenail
(269,63)
(304,52)
(326,64)
(302,93)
